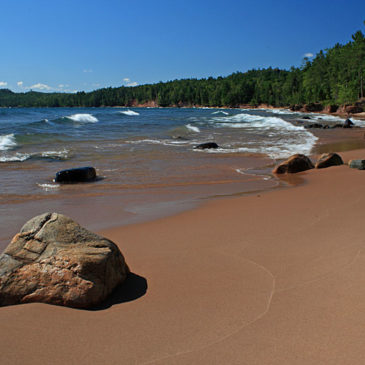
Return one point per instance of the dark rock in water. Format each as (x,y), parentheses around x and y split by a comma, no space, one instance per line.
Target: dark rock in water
(338,125)
(357,164)
(54,260)
(314,125)
(329,159)
(293,164)
(80,174)
(207,145)
(306,117)
(348,124)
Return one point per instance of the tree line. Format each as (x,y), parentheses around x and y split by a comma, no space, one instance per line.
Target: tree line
(334,76)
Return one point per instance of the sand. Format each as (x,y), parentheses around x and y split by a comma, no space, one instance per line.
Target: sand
(271,278)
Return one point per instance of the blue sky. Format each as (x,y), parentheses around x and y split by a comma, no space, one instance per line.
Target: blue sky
(64,45)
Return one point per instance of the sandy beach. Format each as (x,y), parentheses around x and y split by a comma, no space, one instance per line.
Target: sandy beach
(271,278)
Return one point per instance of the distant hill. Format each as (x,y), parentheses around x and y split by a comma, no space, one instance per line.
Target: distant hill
(334,76)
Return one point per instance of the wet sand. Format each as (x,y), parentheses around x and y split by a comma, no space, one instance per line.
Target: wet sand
(271,278)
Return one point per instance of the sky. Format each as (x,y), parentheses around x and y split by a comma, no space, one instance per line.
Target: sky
(70,46)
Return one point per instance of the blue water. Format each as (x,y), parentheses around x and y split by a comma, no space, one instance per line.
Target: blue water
(145,157)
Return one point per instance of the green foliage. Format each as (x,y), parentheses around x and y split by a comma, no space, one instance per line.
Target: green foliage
(334,76)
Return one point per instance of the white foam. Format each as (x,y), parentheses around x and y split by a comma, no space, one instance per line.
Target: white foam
(18,157)
(315,116)
(63,154)
(326,117)
(255,121)
(282,111)
(246,172)
(48,187)
(220,112)
(280,138)
(164,142)
(129,112)
(83,118)
(7,142)
(193,128)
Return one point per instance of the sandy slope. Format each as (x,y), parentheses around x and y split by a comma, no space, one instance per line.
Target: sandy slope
(275,278)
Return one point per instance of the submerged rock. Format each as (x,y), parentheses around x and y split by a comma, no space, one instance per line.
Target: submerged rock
(357,164)
(54,260)
(329,159)
(204,146)
(314,125)
(293,164)
(338,125)
(79,174)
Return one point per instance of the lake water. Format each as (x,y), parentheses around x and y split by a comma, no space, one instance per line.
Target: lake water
(145,157)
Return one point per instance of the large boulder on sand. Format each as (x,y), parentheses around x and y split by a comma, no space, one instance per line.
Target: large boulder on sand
(55,260)
(293,164)
(329,159)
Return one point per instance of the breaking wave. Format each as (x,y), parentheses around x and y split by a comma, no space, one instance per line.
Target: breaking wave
(220,112)
(273,136)
(83,118)
(7,142)
(45,155)
(129,112)
(18,157)
(193,128)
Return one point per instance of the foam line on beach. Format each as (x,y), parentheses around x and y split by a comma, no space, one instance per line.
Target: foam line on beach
(47,155)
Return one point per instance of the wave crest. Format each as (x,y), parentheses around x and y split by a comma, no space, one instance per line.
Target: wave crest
(129,112)
(83,118)
(192,128)
(7,142)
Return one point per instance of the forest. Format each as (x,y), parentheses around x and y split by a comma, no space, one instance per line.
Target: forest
(335,76)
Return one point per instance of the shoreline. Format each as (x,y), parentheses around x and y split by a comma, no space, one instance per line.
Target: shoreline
(273,278)
(115,208)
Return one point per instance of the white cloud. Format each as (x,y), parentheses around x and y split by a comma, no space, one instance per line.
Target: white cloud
(308,55)
(128,82)
(61,86)
(87,70)
(3,83)
(20,83)
(40,86)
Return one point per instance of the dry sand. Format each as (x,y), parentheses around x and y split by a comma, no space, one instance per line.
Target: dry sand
(276,278)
